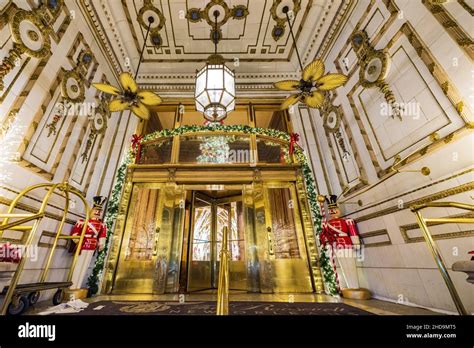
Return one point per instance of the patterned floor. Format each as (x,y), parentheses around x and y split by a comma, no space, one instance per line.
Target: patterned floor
(209,308)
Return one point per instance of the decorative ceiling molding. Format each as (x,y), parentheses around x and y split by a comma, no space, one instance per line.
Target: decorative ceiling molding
(317,22)
(98,30)
(275,76)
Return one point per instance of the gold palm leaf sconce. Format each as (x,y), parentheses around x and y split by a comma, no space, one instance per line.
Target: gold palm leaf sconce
(129,96)
(313,83)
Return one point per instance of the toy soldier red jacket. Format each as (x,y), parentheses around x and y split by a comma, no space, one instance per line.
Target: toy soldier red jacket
(96,232)
(341,232)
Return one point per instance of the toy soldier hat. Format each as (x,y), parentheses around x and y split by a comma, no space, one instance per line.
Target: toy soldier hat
(99,202)
(332,201)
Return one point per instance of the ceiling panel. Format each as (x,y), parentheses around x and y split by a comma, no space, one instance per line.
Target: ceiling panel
(253,37)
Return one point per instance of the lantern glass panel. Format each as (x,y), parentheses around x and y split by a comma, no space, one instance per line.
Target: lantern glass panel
(215,77)
(203,100)
(215,91)
(200,82)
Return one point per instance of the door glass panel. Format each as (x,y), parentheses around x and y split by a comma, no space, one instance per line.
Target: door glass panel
(222,221)
(202,253)
(202,232)
(137,263)
(231,215)
(211,215)
(214,149)
(272,152)
(142,235)
(157,153)
(283,223)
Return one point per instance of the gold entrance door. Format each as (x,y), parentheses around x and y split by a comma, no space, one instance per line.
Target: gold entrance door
(148,261)
(210,215)
(283,258)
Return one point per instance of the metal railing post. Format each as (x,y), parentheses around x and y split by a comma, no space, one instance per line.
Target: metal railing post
(422,222)
(223,287)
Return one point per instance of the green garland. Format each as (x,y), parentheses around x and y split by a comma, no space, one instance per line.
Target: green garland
(110,216)
(113,206)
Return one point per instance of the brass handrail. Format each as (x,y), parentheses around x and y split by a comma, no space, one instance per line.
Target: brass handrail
(223,286)
(422,222)
(4,225)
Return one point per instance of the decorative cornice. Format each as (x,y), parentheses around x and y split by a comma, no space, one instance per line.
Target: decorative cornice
(90,17)
(337,23)
(269,75)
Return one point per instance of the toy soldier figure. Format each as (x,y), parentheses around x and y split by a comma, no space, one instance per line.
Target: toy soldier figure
(94,238)
(341,234)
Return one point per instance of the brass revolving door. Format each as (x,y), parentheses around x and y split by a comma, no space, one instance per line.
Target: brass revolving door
(172,238)
(211,212)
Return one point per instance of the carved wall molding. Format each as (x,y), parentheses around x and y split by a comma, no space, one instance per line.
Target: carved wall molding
(32,209)
(31,32)
(406,205)
(333,129)
(195,15)
(440,75)
(453,28)
(394,11)
(280,19)
(374,68)
(468,8)
(313,132)
(368,244)
(337,26)
(445,84)
(72,84)
(405,229)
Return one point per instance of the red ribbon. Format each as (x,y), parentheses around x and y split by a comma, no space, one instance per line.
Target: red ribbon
(294,138)
(136,145)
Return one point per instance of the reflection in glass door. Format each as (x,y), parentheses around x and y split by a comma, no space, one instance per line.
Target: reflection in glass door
(210,216)
(285,266)
(230,215)
(136,271)
(148,260)
(201,251)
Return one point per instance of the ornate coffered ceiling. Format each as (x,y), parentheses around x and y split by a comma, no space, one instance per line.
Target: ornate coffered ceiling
(253,37)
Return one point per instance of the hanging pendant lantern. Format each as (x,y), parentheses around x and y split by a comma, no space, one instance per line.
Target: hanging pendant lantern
(215,86)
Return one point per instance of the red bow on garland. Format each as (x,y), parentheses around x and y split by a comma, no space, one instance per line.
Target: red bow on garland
(137,146)
(294,138)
